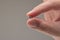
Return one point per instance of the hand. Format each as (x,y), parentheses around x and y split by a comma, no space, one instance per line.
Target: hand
(51,24)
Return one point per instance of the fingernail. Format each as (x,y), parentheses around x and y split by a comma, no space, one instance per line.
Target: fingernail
(35,23)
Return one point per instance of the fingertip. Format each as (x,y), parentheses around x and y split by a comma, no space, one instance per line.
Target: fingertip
(30,14)
(33,22)
(30,20)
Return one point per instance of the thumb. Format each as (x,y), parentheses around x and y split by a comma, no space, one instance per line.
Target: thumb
(41,25)
(40,9)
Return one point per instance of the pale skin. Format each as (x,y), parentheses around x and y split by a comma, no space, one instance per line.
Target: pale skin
(51,24)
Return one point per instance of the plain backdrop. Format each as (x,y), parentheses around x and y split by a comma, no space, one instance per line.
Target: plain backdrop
(13,20)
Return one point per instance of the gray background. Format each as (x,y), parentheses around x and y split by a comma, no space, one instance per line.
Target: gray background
(13,20)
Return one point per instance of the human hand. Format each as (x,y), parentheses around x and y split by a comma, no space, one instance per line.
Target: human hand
(51,24)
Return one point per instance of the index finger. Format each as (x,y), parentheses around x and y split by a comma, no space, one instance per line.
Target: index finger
(44,7)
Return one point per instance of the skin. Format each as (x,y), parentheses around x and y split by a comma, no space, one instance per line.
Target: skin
(51,23)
